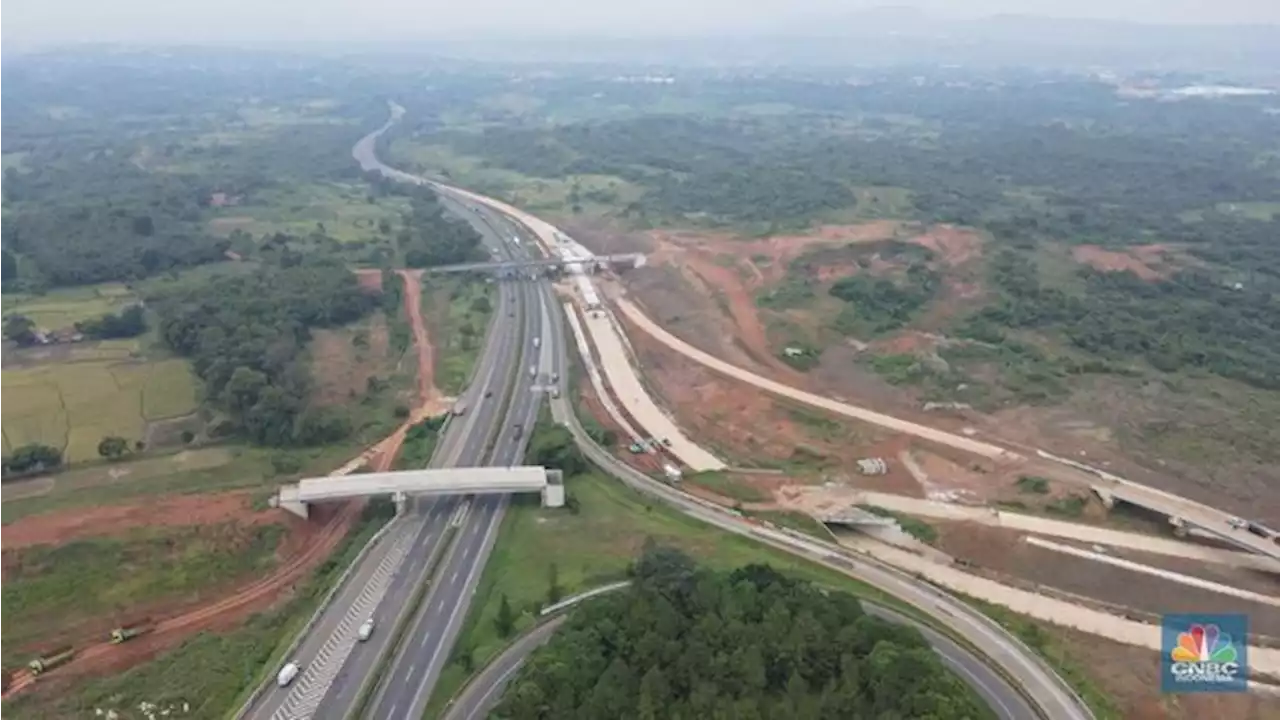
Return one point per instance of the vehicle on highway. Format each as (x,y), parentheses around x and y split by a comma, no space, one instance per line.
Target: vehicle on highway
(365,631)
(519,430)
(460,408)
(287,674)
(533,371)
(537,342)
(511,313)
(555,377)
(488,393)
(1236,523)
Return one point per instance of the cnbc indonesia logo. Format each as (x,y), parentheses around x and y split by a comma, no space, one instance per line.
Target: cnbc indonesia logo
(1206,656)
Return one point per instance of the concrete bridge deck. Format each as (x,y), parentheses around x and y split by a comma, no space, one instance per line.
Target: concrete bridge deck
(635,259)
(443,481)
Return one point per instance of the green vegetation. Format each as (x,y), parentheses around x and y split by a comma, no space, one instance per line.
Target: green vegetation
(915,527)
(245,335)
(1039,637)
(419,444)
(1033,484)
(211,673)
(130,322)
(687,642)
(32,458)
(619,521)
(72,406)
(49,588)
(1071,506)
(465,321)
(722,483)
(880,304)
(802,522)
(431,237)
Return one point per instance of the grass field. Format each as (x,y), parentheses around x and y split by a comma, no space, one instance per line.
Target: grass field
(596,194)
(72,406)
(212,673)
(470,305)
(617,521)
(343,210)
(189,471)
(48,590)
(722,484)
(64,307)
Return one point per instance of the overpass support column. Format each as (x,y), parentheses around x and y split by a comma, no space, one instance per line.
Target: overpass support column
(283,501)
(553,493)
(1108,500)
(399,499)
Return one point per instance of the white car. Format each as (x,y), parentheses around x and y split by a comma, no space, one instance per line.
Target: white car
(287,674)
(1237,523)
(365,631)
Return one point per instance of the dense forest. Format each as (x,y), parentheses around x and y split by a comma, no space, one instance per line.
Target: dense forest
(431,237)
(245,335)
(687,643)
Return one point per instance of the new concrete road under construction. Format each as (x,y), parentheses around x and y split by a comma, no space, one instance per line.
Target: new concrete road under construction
(1050,695)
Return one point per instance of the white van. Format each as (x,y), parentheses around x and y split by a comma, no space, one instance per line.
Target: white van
(287,674)
(366,630)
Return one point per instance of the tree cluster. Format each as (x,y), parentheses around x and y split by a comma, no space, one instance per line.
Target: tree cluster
(130,322)
(690,644)
(880,303)
(31,458)
(431,237)
(1190,321)
(245,335)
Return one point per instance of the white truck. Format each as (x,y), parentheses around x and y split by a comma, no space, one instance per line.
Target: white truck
(460,408)
(287,674)
(533,371)
(537,342)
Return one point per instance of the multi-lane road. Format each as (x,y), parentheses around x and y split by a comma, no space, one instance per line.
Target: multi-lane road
(337,669)
(335,665)
(406,688)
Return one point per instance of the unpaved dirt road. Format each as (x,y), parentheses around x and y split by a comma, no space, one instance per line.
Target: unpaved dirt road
(100,656)
(941,437)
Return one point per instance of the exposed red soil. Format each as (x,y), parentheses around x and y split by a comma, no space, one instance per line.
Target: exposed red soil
(1148,262)
(305,548)
(369,279)
(953,245)
(109,520)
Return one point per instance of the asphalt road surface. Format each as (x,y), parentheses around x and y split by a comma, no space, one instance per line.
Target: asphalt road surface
(334,664)
(1038,680)
(406,689)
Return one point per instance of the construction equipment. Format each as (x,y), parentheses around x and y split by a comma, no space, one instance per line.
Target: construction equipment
(125,634)
(51,660)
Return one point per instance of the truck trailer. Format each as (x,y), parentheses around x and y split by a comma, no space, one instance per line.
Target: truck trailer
(125,634)
(51,660)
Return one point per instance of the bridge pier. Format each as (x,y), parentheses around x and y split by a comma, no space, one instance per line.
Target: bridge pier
(400,499)
(553,493)
(286,498)
(1108,500)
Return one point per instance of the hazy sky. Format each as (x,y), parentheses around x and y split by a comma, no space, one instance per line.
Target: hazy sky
(27,23)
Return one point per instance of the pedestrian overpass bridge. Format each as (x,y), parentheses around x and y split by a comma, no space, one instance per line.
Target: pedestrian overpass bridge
(548,482)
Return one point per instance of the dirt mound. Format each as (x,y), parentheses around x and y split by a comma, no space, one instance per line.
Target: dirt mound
(107,520)
(1148,262)
(954,246)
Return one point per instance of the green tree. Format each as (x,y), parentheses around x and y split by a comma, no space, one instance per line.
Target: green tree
(554,591)
(20,329)
(113,447)
(32,457)
(505,621)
